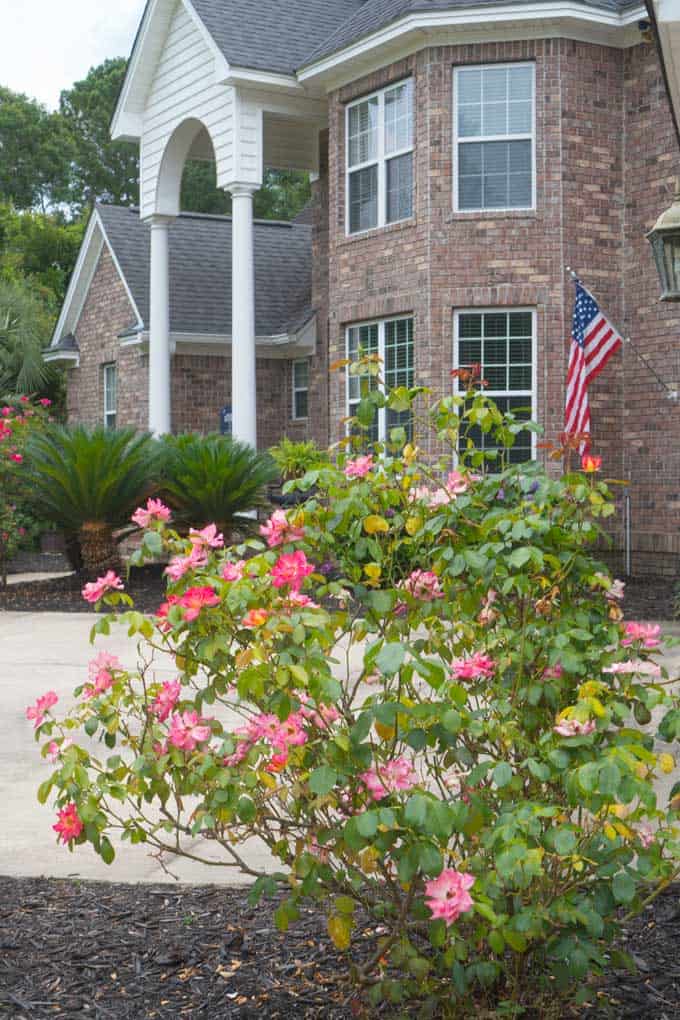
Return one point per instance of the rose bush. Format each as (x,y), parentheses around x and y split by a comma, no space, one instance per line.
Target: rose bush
(419,692)
(17,525)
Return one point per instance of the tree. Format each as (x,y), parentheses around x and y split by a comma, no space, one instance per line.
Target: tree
(35,152)
(283,195)
(102,170)
(40,248)
(25,328)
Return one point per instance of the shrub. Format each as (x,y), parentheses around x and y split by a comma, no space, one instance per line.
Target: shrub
(445,743)
(88,482)
(294,460)
(213,478)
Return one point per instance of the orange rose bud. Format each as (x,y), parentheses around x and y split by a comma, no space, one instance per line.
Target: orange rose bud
(589,463)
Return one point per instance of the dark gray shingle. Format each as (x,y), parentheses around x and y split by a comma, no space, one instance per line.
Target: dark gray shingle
(200,270)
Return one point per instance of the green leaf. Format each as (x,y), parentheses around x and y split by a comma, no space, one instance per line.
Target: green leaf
(106,851)
(91,726)
(415,812)
(610,779)
(367,824)
(153,543)
(246,809)
(322,780)
(519,557)
(623,887)
(565,841)
(452,721)
(502,774)
(390,658)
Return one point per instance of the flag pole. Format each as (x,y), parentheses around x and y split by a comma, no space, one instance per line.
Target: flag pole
(670,394)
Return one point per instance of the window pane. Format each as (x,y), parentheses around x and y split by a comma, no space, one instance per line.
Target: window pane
(520,351)
(495,119)
(301,374)
(363,199)
(470,325)
(519,191)
(519,118)
(470,120)
(470,85)
(399,117)
(520,377)
(470,193)
(399,369)
(495,324)
(519,157)
(470,159)
(521,324)
(363,132)
(494,84)
(400,188)
(301,403)
(520,83)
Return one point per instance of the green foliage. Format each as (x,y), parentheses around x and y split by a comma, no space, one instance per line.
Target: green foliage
(295,459)
(452,721)
(213,479)
(80,475)
(101,169)
(36,152)
(24,333)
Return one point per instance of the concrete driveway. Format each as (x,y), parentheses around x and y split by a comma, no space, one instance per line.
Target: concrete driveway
(50,651)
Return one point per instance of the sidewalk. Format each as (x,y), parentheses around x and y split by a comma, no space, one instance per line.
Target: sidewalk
(50,651)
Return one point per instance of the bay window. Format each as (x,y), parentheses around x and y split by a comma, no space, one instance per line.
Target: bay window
(392,341)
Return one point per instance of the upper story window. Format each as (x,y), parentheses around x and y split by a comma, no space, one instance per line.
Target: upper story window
(380,158)
(494,137)
(392,341)
(503,342)
(110,395)
(300,388)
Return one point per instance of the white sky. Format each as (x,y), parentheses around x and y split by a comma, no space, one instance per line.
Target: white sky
(47,45)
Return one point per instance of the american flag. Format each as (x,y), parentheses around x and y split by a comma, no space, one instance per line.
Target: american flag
(593,342)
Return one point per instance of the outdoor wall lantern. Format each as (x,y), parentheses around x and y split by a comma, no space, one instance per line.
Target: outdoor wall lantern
(664,238)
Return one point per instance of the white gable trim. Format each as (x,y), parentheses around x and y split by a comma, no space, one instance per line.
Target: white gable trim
(86,266)
(127,123)
(569,18)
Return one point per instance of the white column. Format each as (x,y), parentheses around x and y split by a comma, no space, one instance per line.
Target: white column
(243,378)
(160,411)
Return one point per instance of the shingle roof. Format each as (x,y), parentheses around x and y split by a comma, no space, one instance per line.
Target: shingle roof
(375,14)
(272,35)
(200,270)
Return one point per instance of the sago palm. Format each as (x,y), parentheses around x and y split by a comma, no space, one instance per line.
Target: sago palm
(88,482)
(213,479)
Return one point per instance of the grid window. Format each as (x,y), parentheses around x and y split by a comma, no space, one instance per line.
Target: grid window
(380,158)
(494,137)
(392,341)
(503,343)
(301,388)
(110,395)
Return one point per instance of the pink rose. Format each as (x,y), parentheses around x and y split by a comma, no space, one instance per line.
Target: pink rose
(360,467)
(196,599)
(290,570)
(647,633)
(42,705)
(155,511)
(188,730)
(475,667)
(96,590)
(164,702)
(234,571)
(180,565)
(278,531)
(382,780)
(574,728)
(448,896)
(209,538)
(69,825)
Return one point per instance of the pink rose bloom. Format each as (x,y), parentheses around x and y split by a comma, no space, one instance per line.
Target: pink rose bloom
(69,826)
(440,497)
(448,896)
(45,402)
(209,538)
(648,633)
(277,530)
(23,400)
(574,728)
(155,511)
(180,565)
(234,571)
(164,702)
(96,590)
(323,717)
(290,570)
(239,755)
(424,585)
(646,835)
(196,599)
(360,467)
(635,666)
(255,618)
(552,672)
(299,601)
(277,763)
(476,667)
(100,673)
(17,458)
(42,705)
(55,750)
(6,411)
(382,780)
(456,483)
(188,730)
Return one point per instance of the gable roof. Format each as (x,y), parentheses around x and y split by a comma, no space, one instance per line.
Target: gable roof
(273,35)
(200,272)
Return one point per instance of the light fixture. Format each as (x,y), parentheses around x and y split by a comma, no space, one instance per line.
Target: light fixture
(664,238)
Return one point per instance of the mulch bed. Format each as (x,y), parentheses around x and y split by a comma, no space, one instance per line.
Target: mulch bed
(647,598)
(123,952)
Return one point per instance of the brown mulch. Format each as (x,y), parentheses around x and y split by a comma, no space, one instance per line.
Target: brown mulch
(123,952)
(647,598)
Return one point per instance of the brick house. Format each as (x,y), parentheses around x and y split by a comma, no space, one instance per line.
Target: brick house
(463,155)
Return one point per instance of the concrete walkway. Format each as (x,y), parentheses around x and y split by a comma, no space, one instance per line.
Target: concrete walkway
(50,651)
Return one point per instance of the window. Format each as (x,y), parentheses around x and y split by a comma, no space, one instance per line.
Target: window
(504,343)
(392,341)
(380,158)
(301,388)
(494,137)
(110,395)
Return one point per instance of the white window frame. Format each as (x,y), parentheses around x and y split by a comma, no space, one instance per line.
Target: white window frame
(381,158)
(494,138)
(299,389)
(110,412)
(381,324)
(533,392)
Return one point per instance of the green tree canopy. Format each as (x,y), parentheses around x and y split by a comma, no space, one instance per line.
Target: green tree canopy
(41,249)
(35,152)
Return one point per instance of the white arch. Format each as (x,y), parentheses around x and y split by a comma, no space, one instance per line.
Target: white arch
(177,151)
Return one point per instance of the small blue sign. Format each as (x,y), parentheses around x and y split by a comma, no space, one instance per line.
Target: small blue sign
(226,420)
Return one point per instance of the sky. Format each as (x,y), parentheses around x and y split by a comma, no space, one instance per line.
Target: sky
(47,45)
